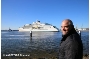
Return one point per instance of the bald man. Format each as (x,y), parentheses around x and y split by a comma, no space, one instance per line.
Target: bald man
(71,46)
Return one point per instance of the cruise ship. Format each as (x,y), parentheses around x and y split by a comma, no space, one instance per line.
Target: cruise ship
(38,26)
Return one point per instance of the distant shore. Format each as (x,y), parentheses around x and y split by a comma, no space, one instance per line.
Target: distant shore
(76,30)
(8,30)
(83,30)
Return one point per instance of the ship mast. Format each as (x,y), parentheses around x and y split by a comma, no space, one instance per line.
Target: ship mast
(82,27)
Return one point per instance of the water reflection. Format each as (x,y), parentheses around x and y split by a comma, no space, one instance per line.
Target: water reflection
(44,44)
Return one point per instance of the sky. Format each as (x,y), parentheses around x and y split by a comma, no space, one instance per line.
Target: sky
(17,13)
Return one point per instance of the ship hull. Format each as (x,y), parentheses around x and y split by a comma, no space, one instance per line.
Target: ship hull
(54,30)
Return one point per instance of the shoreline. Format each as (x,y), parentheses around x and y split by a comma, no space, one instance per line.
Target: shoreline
(36,57)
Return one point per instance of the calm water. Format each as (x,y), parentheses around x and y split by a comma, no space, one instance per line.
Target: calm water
(42,44)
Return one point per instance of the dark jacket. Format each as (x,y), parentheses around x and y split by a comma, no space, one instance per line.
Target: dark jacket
(71,46)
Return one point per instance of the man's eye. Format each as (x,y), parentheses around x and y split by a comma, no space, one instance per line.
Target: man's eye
(66,26)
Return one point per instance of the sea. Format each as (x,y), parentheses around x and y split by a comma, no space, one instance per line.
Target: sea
(42,45)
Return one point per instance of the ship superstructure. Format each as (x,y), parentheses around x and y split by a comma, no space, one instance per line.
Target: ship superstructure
(37,26)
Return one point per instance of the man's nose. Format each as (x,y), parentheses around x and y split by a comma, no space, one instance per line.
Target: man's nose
(63,29)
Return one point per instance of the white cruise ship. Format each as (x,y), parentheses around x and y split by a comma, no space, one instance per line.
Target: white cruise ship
(37,26)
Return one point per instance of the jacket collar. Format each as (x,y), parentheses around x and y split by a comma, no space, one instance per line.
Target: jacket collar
(65,36)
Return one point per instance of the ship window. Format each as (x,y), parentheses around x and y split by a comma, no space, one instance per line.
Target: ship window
(54,26)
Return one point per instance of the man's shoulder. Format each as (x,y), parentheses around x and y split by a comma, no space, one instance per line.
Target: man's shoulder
(73,36)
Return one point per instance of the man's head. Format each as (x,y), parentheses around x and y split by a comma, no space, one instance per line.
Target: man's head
(66,26)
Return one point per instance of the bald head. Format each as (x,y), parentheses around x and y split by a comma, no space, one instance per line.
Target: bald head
(66,26)
(67,21)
